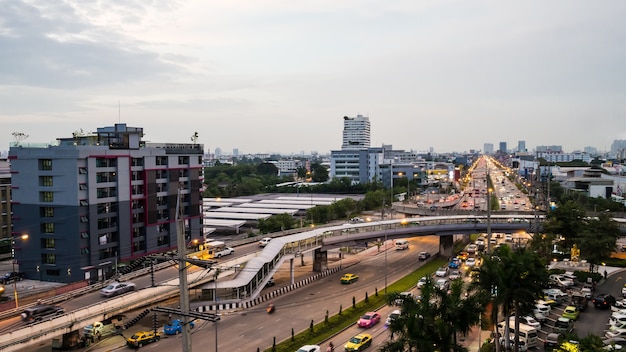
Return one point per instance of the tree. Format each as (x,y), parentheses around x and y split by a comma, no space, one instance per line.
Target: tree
(567,220)
(598,240)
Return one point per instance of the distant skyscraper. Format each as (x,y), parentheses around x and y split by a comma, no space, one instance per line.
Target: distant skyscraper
(502,148)
(218,152)
(356,133)
(236,152)
(618,145)
(488,148)
(521,146)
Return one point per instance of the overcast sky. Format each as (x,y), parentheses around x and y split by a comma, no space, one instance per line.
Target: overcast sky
(278,76)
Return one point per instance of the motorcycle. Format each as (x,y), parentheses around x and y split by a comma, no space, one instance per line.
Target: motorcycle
(270,309)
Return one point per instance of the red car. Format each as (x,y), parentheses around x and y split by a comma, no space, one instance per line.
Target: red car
(369,319)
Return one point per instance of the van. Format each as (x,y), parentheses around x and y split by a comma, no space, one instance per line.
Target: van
(558,296)
(526,332)
(40,311)
(563,326)
(402,244)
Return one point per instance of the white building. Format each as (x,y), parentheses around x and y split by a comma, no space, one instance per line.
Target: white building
(356,133)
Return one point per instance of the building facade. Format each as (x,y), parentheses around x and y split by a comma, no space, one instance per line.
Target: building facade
(356,133)
(93,201)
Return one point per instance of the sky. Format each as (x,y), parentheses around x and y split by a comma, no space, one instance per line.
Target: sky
(270,76)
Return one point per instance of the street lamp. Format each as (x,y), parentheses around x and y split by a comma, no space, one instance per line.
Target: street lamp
(23,238)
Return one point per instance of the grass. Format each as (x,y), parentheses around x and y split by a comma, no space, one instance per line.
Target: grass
(332,325)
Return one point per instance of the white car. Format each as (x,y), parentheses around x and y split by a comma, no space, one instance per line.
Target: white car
(264,241)
(528,320)
(454,274)
(117,288)
(611,334)
(309,348)
(617,319)
(443,284)
(421,282)
(393,315)
(470,262)
(442,271)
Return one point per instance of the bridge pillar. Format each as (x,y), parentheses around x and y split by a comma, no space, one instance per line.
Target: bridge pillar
(446,244)
(320,260)
(292,274)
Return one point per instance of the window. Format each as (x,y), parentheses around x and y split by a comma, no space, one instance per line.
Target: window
(161,160)
(162,240)
(45,164)
(136,162)
(47,243)
(84,250)
(102,177)
(53,272)
(82,170)
(84,219)
(46,212)
(47,197)
(137,176)
(106,192)
(47,227)
(106,162)
(45,181)
(84,234)
(84,203)
(48,258)
(82,186)
(183,160)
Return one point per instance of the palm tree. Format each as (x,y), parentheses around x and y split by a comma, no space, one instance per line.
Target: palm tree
(514,279)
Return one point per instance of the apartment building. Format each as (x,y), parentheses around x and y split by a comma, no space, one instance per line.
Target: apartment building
(92,201)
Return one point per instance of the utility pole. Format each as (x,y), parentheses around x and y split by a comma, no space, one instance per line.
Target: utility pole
(182,274)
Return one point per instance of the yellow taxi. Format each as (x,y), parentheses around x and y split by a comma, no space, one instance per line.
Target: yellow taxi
(358,342)
(141,338)
(349,278)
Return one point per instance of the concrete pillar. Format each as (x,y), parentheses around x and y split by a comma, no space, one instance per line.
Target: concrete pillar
(320,260)
(446,244)
(292,275)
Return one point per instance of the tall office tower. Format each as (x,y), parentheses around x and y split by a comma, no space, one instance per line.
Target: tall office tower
(502,148)
(356,133)
(488,148)
(5,200)
(218,153)
(521,146)
(91,201)
(236,152)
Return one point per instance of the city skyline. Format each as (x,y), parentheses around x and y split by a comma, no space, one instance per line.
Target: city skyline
(274,77)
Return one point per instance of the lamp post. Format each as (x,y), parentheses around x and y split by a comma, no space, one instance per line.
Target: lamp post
(23,238)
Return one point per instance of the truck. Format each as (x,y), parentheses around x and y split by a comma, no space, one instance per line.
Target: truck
(579,301)
(101,329)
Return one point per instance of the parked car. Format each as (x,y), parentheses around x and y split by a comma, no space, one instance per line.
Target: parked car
(442,271)
(117,288)
(12,276)
(563,326)
(142,338)
(349,278)
(423,256)
(309,348)
(264,241)
(560,281)
(176,327)
(616,319)
(552,341)
(528,320)
(358,343)
(571,312)
(368,320)
(603,301)
(616,333)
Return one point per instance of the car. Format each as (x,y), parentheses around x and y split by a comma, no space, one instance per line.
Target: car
(521,344)
(442,271)
(563,325)
(423,256)
(349,278)
(142,338)
(176,327)
(528,320)
(225,251)
(560,281)
(402,296)
(442,284)
(270,282)
(358,343)
(117,288)
(40,312)
(552,341)
(616,340)
(454,274)
(472,248)
(11,277)
(455,263)
(617,319)
(541,311)
(571,312)
(463,255)
(620,304)
(393,315)
(470,262)
(508,237)
(264,241)
(624,291)
(422,282)
(368,320)
(309,348)
(603,301)
(616,333)
(587,292)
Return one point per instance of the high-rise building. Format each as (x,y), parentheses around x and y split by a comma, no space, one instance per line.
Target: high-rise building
(488,148)
(92,201)
(356,133)
(502,148)
(5,200)
(521,146)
